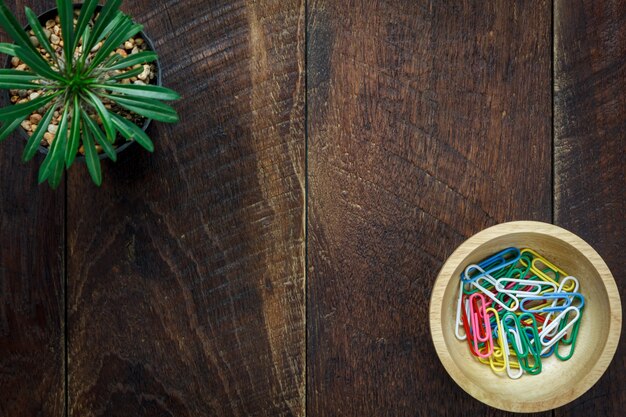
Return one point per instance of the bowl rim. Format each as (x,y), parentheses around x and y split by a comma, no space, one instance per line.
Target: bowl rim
(580,386)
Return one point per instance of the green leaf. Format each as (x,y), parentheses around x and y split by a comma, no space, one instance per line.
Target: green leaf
(24,109)
(97,133)
(6,85)
(146,107)
(104,115)
(110,60)
(66,17)
(108,12)
(141,91)
(132,132)
(14,29)
(55,178)
(14,79)
(33,21)
(87,11)
(35,140)
(134,59)
(86,39)
(8,127)
(56,153)
(91,157)
(111,25)
(121,24)
(36,62)
(23,75)
(18,85)
(7,48)
(122,32)
(128,74)
(72,147)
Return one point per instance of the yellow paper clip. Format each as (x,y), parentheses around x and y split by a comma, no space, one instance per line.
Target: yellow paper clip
(537,271)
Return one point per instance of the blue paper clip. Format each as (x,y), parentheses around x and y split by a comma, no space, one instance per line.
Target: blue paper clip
(494,263)
(567,296)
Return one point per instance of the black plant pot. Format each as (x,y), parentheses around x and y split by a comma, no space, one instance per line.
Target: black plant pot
(50,15)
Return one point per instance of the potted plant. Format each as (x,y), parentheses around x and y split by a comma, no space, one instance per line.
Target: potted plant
(82,80)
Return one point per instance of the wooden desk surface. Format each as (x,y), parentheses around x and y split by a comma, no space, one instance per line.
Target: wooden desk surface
(275,255)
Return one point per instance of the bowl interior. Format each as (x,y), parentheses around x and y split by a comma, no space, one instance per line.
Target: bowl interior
(559,381)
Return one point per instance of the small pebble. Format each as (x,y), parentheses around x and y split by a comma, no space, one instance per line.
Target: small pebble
(49,24)
(138,41)
(33,96)
(26,125)
(55,39)
(128,45)
(96,47)
(47,33)
(48,137)
(21,67)
(139,82)
(146,72)
(53,128)
(34,41)
(15,61)
(33,127)
(35,118)
(121,52)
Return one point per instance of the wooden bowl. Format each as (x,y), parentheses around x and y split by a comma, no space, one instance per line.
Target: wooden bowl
(559,382)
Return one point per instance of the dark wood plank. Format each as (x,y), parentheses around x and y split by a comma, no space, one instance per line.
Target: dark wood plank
(427,122)
(186,270)
(590,143)
(32,241)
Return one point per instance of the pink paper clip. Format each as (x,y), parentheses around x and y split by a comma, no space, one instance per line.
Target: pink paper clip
(480,332)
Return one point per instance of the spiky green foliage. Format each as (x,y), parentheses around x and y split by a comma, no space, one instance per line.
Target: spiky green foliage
(75,84)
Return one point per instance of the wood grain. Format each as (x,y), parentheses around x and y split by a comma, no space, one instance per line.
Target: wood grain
(427,122)
(590,121)
(186,270)
(32,241)
(559,382)
(31,290)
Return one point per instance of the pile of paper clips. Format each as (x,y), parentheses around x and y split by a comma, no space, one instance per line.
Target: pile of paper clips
(516,308)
